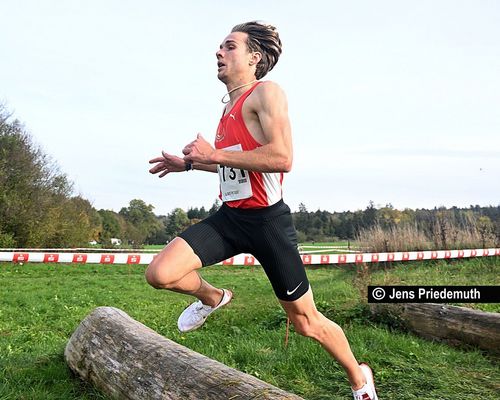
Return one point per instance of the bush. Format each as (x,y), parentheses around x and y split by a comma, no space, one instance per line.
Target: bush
(395,238)
(7,240)
(446,234)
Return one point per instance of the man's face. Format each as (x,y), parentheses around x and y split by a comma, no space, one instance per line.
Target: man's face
(233,57)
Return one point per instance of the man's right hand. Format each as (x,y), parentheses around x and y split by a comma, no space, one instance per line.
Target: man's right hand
(167,163)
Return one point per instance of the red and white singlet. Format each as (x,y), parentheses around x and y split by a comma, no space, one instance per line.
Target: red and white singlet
(240,188)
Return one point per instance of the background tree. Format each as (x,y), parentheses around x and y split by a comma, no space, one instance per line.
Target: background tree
(142,222)
(160,236)
(110,226)
(215,207)
(198,214)
(36,204)
(177,221)
(302,223)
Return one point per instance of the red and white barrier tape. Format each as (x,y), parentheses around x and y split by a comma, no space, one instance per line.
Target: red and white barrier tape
(81,250)
(247,259)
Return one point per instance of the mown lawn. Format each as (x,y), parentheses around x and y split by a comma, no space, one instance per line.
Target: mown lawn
(42,304)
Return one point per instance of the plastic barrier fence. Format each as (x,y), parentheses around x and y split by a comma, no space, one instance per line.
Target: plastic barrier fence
(245,259)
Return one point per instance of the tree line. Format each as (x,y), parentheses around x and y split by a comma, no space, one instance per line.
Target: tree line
(389,229)
(39,209)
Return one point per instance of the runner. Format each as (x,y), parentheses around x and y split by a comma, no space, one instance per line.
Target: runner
(253,150)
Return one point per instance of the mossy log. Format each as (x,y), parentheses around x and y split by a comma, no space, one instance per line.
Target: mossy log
(455,325)
(127,360)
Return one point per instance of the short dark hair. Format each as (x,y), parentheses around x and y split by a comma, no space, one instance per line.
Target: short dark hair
(263,38)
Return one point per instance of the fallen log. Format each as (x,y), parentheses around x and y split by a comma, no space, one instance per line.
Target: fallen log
(127,360)
(455,325)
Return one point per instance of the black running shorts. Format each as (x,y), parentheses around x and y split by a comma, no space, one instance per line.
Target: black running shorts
(266,233)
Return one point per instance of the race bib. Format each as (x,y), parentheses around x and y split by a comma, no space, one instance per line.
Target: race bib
(234,182)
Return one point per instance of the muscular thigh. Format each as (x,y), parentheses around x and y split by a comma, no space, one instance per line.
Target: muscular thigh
(200,245)
(211,239)
(171,264)
(275,246)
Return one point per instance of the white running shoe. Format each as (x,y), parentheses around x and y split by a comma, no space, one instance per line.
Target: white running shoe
(367,392)
(195,315)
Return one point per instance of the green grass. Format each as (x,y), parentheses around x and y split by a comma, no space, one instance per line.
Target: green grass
(308,244)
(42,304)
(154,247)
(343,243)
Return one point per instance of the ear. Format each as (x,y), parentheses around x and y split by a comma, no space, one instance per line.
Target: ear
(255,58)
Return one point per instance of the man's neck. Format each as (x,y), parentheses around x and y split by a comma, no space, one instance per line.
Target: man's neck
(237,87)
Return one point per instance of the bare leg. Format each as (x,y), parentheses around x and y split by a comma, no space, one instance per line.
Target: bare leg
(208,294)
(308,321)
(175,268)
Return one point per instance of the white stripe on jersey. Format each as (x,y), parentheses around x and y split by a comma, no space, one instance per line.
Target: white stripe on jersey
(272,185)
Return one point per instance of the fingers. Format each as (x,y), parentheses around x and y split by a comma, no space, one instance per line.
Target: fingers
(166,164)
(169,163)
(160,162)
(156,160)
(158,168)
(160,159)
(189,147)
(165,156)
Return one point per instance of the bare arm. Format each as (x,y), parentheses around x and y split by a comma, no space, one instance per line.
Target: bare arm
(205,167)
(168,163)
(275,155)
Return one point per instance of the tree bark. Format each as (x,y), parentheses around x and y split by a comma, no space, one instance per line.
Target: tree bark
(455,325)
(128,360)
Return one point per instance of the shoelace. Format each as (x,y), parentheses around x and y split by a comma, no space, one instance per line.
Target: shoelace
(201,309)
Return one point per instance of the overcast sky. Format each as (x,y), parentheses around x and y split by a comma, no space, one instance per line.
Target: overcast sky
(390,101)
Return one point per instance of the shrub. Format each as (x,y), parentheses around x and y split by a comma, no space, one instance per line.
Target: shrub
(7,240)
(394,238)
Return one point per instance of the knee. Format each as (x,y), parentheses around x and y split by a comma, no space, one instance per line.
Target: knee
(311,326)
(158,277)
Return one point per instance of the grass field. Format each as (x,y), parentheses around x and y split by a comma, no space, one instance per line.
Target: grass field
(42,304)
(343,243)
(305,244)
(324,247)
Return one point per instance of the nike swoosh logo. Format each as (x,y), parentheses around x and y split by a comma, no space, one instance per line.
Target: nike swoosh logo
(289,292)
